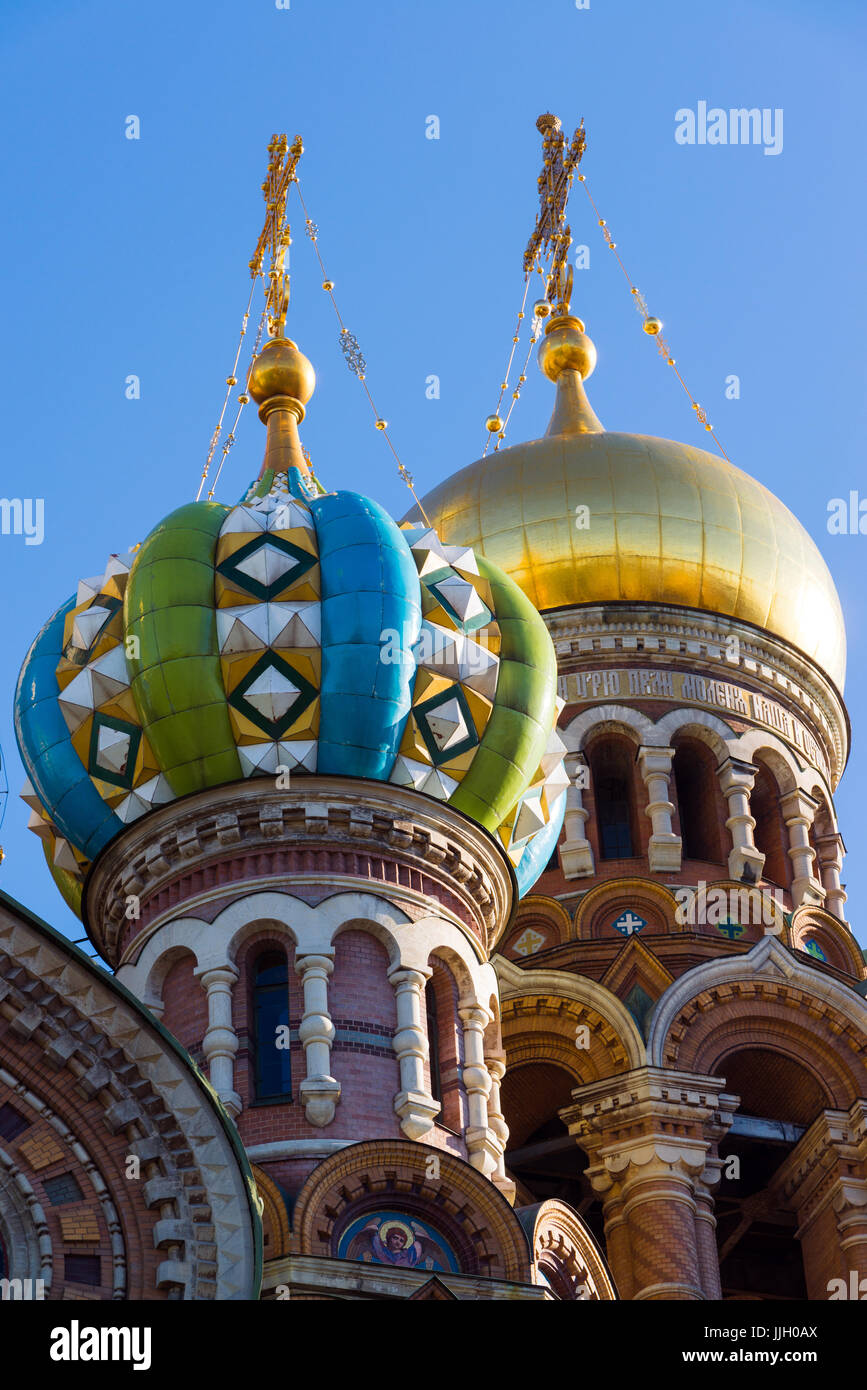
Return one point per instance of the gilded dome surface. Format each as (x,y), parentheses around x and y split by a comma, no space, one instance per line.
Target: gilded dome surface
(666,523)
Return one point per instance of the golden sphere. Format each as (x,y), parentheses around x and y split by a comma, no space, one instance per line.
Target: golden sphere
(281,370)
(541,308)
(566,347)
(328,285)
(652,325)
(494,424)
(382,424)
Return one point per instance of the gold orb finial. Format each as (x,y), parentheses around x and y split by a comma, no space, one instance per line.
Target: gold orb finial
(281,373)
(566,347)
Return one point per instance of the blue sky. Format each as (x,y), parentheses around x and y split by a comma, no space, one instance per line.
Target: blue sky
(129,257)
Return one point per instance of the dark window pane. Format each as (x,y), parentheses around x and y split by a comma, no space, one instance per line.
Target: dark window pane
(82,1269)
(62,1189)
(12,1122)
(271,1011)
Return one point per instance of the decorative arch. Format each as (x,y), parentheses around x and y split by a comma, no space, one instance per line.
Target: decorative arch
(277,1231)
(771,1000)
(610,719)
(707,728)
(540,925)
(565,1255)
(23,1227)
(547,1006)
(836,943)
(650,900)
(474,1220)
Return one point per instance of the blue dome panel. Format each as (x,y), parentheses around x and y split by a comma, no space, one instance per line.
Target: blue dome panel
(369,584)
(58,775)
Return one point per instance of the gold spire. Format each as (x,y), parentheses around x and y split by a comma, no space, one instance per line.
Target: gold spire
(281,379)
(551,236)
(567,356)
(281,382)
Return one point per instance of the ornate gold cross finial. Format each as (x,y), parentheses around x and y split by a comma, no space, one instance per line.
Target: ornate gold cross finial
(551,236)
(274,236)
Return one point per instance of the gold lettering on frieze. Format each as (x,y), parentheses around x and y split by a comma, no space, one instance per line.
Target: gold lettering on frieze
(691,688)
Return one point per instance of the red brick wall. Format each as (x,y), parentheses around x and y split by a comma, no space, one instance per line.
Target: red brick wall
(186,1005)
(362,1004)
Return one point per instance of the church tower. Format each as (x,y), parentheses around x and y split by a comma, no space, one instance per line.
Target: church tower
(682,998)
(294,766)
(479,875)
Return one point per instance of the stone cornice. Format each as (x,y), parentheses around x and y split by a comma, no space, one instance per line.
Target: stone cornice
(333,817)
(353,1280)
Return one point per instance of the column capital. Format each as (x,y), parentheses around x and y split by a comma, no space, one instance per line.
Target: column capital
(736,775)
(210,975)
(833,1152)
(474,1014)
(652,759)
(408,976)
(652,1123)
(315,961)
(799,805)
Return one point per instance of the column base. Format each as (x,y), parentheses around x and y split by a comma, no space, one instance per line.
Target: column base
(232,1102)
(746,864)
(506,1186)
(806,892)
(576,858)
(483,1150)
(664,853)
(319,1096)
(417,1112)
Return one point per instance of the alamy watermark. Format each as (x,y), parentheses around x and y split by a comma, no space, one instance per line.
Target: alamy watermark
(718,907)
(23,516)
(736,126)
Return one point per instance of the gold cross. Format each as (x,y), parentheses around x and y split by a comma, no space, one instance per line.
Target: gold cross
(551,236)
(275,233)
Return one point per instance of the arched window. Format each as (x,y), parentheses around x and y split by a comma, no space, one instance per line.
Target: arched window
(433,1041)
(613,789)
(270,1015)
(699,801)
(770,833)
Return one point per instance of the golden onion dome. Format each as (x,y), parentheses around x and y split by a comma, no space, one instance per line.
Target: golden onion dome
(666,522)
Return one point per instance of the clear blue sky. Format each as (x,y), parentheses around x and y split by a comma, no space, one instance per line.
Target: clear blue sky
(125,257)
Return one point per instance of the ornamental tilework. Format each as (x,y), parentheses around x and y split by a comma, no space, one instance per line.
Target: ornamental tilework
(298,631)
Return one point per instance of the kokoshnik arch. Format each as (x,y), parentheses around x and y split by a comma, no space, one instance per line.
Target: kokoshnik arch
(414,911)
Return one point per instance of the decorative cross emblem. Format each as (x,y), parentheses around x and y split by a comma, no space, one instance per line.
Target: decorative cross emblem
(551,237)
(730,929)
(275,233)
(628,924)
(529,942)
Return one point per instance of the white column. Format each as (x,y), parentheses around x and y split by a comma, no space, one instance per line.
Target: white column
(413,1103)
(799,809)
(319,1091)
(831,851)
(664,850)
(482,1145)
(496,1063)
(220,1043)
(576,852)
(737,780)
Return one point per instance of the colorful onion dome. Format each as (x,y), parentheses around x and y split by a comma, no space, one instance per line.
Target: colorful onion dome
(298,632)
